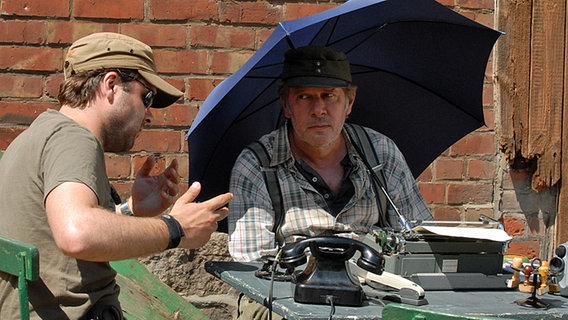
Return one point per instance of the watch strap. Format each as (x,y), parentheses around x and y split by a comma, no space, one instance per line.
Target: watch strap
(175,230)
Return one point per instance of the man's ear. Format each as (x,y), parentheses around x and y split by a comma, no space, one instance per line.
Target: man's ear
(109,86)
(285,107)
(349,102)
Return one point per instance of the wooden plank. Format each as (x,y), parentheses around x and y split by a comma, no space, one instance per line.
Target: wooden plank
(143,296)
(562,214)
(512,75)
(546,92)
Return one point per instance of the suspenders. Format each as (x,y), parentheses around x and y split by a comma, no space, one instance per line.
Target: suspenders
(363,146)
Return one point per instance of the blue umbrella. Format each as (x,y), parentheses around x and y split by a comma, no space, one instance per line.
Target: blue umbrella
(418,65)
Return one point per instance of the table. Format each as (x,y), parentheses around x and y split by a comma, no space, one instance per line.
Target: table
(474,303)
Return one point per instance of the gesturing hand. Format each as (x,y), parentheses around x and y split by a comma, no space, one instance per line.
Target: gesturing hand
(199,220)
(151,195)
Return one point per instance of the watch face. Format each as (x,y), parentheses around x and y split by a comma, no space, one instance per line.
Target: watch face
(125,209)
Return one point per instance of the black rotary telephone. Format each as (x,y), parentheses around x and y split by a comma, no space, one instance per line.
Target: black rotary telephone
(330,282)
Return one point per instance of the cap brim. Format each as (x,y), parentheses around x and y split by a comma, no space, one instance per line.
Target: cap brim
(166,93)
(320,82)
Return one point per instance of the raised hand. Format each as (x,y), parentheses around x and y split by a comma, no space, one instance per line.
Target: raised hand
(152,195)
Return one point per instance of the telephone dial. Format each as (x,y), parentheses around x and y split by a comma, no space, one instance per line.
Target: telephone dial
(330,282)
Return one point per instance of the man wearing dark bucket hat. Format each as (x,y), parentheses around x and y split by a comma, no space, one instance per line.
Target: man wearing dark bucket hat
(324,185)
(55,193)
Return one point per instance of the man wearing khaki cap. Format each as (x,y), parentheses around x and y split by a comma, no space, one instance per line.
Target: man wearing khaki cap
(55,194)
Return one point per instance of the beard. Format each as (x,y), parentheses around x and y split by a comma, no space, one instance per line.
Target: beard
(120,131)
(118,137)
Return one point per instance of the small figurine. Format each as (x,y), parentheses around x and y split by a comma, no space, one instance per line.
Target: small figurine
(543,272)
(517,266)
(532,301)
(526,286)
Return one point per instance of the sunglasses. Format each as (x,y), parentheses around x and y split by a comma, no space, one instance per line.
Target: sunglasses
(148,98)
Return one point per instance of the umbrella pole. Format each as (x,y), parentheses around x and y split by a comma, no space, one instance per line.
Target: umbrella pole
(401,218)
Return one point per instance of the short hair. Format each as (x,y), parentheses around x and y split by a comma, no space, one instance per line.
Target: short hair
(80,89)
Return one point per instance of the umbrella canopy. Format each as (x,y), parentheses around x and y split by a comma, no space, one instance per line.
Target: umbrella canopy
(418,65)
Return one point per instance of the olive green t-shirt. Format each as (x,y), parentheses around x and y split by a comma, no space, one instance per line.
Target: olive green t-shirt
(53,150)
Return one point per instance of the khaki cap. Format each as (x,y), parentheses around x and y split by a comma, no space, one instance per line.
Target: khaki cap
(112,50)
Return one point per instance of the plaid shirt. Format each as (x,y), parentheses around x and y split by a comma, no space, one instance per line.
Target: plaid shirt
(251,215)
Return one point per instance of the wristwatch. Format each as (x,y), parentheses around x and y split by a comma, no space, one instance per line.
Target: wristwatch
(125,209)
(175,229)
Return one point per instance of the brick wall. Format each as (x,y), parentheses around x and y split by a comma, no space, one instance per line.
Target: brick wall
(197,44)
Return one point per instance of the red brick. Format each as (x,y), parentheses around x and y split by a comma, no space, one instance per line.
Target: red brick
(518,179)
(181,62)
(66,32)
(262,34)
(475,144)
(117,9)
(200,88)
(176,115)
(489,116)
(473,213)
(173,36)
(52,8)
(20,86)
(485,18)
(299,10)
(7,135)
(18,31)
(487,98)
(426,175)
(228,62)
(447,2)
(31,59)
(118,166)
(17,112)
(449,169)
(467,14)
(511,201)
(158,141)
(222,37)
(52,84)
(515,225)
(434,193)
(446,214)
(185,148)
(159,166)
(204,10)
(476,4)
(480,169)
(529,248)
(183,164)
(250,12)
(461,193)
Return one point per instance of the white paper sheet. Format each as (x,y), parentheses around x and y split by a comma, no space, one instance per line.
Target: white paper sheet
(465,232)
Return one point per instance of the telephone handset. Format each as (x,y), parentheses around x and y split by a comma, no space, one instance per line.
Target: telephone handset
(330,278)
(330,247)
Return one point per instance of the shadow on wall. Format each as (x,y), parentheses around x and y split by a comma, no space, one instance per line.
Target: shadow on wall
(538,208)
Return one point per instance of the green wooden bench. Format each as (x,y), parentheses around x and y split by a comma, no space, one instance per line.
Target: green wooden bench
(142,295)
(21,260)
